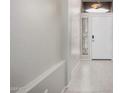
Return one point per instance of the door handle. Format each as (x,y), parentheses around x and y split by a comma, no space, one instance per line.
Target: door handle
(92,37)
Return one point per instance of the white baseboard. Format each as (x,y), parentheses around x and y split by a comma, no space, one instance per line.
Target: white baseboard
(39,79)
(67,86)
(75,68)
(73,71)
(64,89)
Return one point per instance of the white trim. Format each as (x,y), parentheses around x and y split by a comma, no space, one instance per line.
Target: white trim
(64,89)
(73,71)
(84,59)
(68,85)
(40,78)
(75,68)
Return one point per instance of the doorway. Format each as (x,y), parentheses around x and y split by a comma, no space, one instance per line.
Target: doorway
(96,36)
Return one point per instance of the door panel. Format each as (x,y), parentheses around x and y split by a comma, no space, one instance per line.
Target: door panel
(101,37)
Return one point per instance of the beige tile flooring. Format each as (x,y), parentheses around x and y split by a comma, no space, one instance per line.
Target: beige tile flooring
(92,77)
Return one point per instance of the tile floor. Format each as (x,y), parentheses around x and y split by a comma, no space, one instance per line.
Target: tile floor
(92,77)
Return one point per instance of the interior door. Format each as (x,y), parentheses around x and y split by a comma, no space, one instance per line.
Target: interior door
(101,26)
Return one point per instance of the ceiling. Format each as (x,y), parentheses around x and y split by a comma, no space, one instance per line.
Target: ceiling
(96,0)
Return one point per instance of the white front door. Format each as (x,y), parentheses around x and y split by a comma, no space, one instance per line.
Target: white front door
(101,28)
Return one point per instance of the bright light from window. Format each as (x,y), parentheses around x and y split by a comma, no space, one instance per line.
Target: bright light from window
(99,10)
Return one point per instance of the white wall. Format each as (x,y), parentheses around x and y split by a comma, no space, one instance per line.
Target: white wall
(43,32)
(36,35)
(74,12)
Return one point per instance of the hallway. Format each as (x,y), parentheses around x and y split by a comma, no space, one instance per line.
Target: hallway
(94,77)
(48,38)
